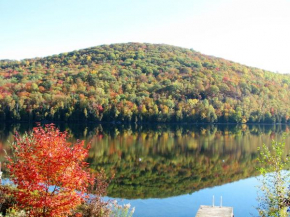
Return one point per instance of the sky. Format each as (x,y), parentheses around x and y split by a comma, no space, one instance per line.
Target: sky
(251,32)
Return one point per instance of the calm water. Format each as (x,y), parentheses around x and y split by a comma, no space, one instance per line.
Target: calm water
(170,170)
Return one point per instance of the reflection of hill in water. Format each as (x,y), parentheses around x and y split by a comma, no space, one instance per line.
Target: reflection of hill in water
(178,159)
(162,161)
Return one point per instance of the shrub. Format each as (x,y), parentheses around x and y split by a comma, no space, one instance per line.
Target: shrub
(273,192)
(50,173)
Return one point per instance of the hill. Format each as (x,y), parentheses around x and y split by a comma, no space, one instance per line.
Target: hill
(137,82)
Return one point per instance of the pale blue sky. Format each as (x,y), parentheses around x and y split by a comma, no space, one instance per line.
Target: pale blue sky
(251,32)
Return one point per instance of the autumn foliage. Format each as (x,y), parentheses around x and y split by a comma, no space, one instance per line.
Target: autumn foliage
(50,173)
(136,82)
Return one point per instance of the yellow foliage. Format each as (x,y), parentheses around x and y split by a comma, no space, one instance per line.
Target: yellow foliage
(192,102)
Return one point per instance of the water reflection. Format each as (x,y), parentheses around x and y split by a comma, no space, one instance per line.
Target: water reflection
(157,161)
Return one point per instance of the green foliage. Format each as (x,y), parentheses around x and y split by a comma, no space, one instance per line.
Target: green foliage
(121,210)
(15,213)
(274,181)
(132,83)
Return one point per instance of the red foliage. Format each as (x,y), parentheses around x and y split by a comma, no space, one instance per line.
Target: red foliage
(225,79)
(100,108)
(272,110)
(50,173)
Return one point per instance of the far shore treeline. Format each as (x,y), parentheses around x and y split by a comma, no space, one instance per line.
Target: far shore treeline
(137,82)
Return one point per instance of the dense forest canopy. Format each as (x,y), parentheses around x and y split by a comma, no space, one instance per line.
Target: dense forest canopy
(137,82)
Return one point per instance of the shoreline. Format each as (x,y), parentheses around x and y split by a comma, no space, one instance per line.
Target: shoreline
(137,123)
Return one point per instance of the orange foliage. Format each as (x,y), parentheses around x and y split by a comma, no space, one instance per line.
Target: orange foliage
(50,173)
(24,93)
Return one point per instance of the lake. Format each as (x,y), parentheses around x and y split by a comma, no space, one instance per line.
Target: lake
(170,170)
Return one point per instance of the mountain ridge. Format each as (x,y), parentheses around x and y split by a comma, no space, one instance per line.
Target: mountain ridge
(141,82)
(137,43)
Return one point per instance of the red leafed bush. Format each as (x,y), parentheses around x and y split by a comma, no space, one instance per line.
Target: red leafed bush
(50,173)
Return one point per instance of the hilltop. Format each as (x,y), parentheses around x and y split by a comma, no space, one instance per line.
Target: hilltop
(137,82)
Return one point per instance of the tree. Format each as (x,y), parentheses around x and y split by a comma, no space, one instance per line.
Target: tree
(50,173)
(273,191)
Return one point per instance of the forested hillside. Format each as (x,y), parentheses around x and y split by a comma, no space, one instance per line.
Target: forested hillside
(140,83)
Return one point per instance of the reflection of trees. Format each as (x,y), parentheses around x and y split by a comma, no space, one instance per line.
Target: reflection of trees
(161,161)
(178,159)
